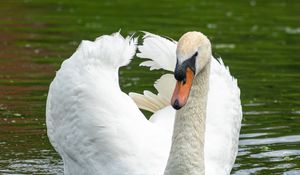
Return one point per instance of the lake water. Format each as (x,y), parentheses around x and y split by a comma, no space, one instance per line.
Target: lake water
(259,40)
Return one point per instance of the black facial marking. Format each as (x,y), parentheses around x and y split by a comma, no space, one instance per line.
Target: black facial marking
(180,69)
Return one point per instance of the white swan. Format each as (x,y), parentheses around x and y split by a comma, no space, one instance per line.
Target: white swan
(98,129)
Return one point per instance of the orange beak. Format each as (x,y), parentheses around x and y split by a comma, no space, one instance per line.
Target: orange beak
(182,90)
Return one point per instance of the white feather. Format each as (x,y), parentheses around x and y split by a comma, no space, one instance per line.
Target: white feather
(159,50)
(95,127)
(152,102)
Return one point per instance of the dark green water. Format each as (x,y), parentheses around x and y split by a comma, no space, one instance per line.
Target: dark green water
(259,40)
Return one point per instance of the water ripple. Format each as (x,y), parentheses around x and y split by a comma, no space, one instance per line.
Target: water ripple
(278,153)
(252,135)
(265,141)
(292,172)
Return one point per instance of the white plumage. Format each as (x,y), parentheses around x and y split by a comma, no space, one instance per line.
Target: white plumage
(98,129)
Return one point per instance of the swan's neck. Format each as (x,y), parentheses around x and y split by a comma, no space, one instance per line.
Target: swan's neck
(187,151)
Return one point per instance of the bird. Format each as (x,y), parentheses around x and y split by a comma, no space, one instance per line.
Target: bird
(98,129)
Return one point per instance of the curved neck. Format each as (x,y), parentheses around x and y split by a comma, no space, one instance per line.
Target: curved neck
(187,150)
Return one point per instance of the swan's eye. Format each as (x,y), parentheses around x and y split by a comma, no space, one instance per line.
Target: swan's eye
(191,62)
(179,72)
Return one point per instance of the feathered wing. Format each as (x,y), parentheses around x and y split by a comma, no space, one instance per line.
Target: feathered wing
(160,54)
(224,111)
(95,127)
(223,122)
(152,102)
(158,50)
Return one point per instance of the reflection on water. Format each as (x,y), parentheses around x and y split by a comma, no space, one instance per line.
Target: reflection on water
(258,40)
(43,161)
(279,153)
(267,141)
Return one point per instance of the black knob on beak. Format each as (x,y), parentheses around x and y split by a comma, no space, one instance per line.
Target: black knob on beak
(176,105)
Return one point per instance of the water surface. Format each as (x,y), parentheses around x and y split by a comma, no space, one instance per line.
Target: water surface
(259,40)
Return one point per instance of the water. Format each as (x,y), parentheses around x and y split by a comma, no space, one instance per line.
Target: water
(259,40)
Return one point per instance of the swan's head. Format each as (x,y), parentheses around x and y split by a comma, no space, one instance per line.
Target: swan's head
(193,53)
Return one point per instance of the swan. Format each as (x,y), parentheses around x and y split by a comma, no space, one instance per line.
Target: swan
(98,129)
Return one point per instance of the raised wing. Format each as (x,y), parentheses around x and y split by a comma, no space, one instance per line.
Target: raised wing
(95,127)
(85,66)
(223,122)
(160,51)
